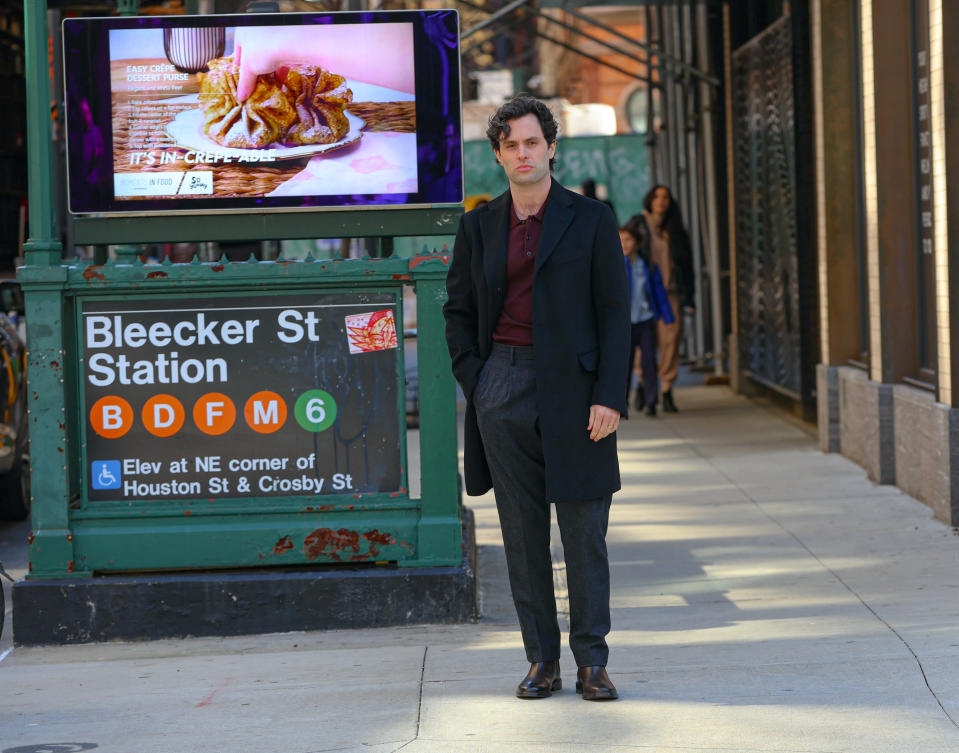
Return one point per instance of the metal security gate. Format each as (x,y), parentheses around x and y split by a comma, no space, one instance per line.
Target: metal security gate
(772,297)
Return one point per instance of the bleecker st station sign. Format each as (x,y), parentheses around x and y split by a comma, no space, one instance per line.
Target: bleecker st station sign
(241,397)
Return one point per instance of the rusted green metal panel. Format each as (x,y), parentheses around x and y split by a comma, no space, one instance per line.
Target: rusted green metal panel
(331,223)
(439,530)
(384,532)
(101,536)
(50,540)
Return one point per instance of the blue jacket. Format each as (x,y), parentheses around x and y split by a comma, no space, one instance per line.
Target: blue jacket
(655,290)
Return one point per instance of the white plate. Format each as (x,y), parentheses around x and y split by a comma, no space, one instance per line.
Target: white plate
(186,129)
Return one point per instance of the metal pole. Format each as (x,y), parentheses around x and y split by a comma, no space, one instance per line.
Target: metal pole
(42,278)
(43,247)
(676,134)
(679,107)
(126,253)
(663,27)
(709,168)
(651,137)
(692,180)
(679,103)
(659,100)
(58,124)
(735,369)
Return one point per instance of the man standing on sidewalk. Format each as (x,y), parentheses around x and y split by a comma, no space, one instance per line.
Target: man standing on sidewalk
(537,324)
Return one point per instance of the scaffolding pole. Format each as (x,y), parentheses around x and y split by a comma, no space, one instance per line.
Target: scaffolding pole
(651,136)
(709,170)
(688,35)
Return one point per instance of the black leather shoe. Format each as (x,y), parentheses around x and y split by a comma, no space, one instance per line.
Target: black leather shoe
(668,405)
(651,409)
(595,685)
(640,397)
(542,680)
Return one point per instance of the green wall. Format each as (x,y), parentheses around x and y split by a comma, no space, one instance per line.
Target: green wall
(618,162)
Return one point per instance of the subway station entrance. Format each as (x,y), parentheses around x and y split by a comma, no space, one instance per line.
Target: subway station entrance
(222,447)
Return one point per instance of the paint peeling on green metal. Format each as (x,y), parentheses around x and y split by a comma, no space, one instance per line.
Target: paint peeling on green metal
(239,533)
(333,223)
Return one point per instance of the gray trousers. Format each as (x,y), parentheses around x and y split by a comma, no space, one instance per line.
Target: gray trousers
(505,402)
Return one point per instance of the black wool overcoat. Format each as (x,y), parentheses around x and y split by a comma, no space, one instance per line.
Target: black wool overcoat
(580,334)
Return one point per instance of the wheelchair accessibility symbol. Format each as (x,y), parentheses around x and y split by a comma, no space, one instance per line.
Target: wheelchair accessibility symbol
(106,474)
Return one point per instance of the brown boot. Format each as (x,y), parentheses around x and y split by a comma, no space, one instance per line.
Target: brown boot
(595,685)
(542,679)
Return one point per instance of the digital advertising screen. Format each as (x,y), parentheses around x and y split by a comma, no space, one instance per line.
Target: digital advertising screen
(263,111)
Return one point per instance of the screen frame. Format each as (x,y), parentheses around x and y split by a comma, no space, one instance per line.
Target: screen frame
(438,115)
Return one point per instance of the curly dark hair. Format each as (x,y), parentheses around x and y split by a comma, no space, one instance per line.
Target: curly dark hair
(517,107)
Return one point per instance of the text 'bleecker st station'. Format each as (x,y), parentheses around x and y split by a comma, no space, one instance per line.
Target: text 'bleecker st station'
(111,332)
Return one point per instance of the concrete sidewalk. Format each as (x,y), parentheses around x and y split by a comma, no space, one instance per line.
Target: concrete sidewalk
(766,597)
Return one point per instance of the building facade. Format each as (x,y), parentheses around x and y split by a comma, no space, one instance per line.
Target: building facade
(887,166)
(844,164)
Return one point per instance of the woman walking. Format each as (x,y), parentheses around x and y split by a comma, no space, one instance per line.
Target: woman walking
(661,225)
